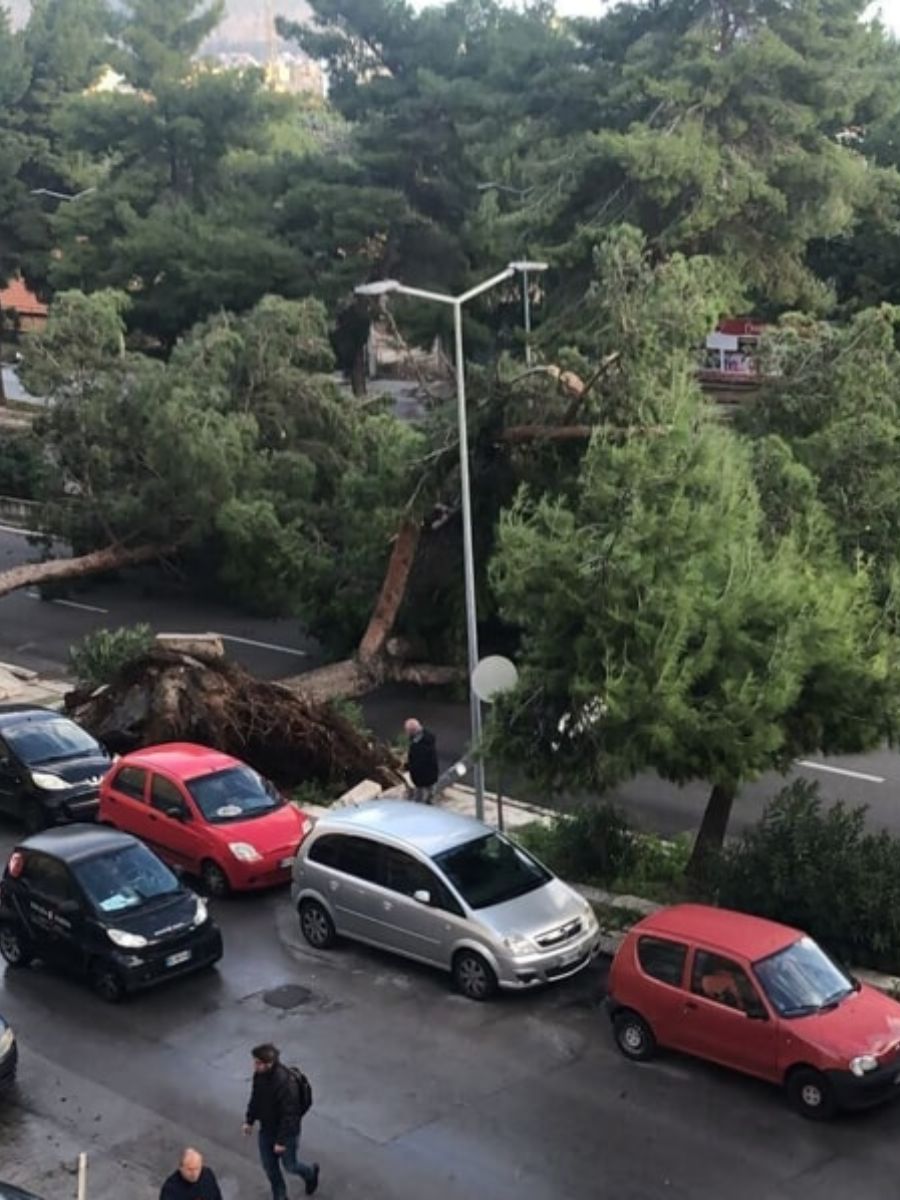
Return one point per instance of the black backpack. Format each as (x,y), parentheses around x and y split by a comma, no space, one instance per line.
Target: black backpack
(304,1090)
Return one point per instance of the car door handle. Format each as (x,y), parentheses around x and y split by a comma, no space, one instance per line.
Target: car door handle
(151,816)
(689,1004)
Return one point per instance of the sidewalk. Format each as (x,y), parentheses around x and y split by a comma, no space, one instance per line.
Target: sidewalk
(18,685)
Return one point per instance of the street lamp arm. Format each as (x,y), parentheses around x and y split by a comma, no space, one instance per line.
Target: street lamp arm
(422,294)
(486,286)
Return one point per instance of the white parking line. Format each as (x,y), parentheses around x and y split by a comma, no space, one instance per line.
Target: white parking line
(70,604)
(25,533)
(227,637)
(817,766)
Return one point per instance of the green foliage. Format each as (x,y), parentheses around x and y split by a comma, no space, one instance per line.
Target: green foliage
(593,845)
(816,868)
(98,657)
(23,468)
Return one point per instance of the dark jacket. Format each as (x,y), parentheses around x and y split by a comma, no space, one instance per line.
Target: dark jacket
(422,759)
(275,1103)
(177,1187)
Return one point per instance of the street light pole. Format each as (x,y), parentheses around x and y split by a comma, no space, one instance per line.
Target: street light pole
(385,287)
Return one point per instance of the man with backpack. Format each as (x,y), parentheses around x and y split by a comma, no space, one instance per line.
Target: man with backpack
(280,1098)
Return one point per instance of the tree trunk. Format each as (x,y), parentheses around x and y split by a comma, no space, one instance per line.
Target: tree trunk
(713,827)
(393,590)
(109,559)
(358,372)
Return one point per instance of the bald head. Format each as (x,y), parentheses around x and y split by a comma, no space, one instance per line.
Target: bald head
(412,726)
(191,1164)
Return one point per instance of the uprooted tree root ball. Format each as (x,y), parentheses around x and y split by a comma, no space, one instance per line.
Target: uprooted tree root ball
(167,696)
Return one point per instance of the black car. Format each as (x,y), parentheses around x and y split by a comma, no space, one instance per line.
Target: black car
(96,900)
(9,1191)
(50,768)
(9,1056)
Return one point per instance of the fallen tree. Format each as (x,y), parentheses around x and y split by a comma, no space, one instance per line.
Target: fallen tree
(167,695)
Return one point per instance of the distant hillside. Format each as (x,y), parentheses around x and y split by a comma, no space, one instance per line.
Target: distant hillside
(243,28)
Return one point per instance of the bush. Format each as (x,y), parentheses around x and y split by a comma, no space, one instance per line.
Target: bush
(99,656)
(818,869)
(593,845)
(659,869)
(22,466)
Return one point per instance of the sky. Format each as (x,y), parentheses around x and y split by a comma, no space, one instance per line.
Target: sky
(890,9)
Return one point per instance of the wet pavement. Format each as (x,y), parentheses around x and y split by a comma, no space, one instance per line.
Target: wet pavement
(418,1092)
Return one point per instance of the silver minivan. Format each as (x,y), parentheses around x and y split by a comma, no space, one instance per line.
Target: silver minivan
(442,889)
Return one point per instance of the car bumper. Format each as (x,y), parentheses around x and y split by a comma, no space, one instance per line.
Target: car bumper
(866,1091)
(538,970)
(267,873)
(80,807)
(139,971)
(8,1066)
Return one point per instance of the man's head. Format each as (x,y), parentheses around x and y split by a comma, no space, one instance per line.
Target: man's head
(191,1164)
(264,1057)
(413,727)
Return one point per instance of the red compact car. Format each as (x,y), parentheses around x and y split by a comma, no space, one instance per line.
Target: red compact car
(759,997)
(206,812)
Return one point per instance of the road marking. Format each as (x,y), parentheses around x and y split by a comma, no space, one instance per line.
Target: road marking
(228,637)
(70,604)
(817,766)
(25,533)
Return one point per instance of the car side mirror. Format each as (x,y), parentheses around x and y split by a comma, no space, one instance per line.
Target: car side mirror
(177,813)
(757,1014)
(423,896)
(69,908)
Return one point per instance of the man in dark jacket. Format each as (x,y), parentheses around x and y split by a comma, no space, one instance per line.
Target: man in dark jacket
(275,1104)
(421,760)
(192,1181)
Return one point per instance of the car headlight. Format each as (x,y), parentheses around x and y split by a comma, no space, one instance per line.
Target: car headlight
(48,782)
(201,912)
(863,1063)
(590,918)
(128,941)
(7,1037)
(244,851)
(518,945)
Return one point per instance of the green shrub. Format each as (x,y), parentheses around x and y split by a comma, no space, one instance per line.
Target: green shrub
(818,869)
(99,656)
(593,845)
(22,466)
(659,869)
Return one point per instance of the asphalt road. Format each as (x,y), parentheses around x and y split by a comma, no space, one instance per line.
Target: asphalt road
(418,1091)
(37,633)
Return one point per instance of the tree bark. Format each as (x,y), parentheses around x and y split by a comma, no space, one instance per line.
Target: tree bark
(393,590)
(713,827)
(56,569)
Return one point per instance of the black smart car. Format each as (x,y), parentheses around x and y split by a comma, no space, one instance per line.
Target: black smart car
(98,901)
(50,768)
(9,1056)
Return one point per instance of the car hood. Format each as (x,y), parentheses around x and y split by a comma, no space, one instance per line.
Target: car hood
(867,1022)
(277,832)
(85,769)
(168,917)
(545,909)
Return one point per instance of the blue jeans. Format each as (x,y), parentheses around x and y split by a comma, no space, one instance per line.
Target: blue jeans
(273,1163)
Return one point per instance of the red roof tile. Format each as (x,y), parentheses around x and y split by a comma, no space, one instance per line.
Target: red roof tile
(20,297)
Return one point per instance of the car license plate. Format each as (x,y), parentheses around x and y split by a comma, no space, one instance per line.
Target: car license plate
(286,864)
(175,960)
(568,959)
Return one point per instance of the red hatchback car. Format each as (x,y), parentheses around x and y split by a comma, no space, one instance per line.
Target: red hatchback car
(206,812)
(759,997)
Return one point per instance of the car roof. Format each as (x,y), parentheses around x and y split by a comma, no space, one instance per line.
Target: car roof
(186,760)
(430,830)
(9,1191)
(73,843)
(741,933)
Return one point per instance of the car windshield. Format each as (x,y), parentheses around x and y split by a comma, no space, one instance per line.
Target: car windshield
(124,879)
(49,739)
(235,794)
(491,870)
(802,979)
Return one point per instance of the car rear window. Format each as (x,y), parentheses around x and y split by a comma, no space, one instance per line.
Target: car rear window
(130,782)
(662,959)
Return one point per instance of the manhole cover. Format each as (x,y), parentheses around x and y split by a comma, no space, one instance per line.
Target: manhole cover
(289,995)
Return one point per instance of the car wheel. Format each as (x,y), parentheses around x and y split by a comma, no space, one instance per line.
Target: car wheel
(811,1094)
(316,925)
(107,983)
(634,1037)
(34,817)
(474,976)
(15,946)
(214,880)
